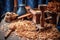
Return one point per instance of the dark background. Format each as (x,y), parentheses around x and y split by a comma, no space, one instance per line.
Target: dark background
(2,6)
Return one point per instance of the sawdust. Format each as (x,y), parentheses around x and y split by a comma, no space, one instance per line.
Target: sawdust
(29,30)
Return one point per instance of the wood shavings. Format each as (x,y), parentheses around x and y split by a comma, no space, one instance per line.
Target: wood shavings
(28,29)
(28,34)
(24,25)
(24,28)
(49,34)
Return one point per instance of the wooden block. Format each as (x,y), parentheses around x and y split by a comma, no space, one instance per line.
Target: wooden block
(36,16)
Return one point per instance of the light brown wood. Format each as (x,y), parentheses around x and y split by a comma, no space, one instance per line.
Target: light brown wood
(25,15)
(8,33)
(36,16)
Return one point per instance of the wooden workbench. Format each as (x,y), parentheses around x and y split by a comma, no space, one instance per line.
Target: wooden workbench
(13,36)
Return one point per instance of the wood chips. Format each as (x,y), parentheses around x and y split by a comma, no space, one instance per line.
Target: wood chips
(24,28)
(29,30)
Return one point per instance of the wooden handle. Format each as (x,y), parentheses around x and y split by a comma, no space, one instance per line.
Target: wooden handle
(8,33)
(32,11)
(26,15)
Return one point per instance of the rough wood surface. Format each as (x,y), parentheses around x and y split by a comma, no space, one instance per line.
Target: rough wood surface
(42,35)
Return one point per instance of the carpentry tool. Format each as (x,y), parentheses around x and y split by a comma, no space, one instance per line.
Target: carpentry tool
(25,15)
(36,16)
(42,8)
(9,32)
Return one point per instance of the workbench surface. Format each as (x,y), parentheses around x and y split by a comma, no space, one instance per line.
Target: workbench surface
(13,36)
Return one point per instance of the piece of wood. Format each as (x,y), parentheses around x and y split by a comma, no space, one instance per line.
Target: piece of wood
(42,8)
(32,11)
(11,29)
(25,15)
(36,16)
(8,33)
